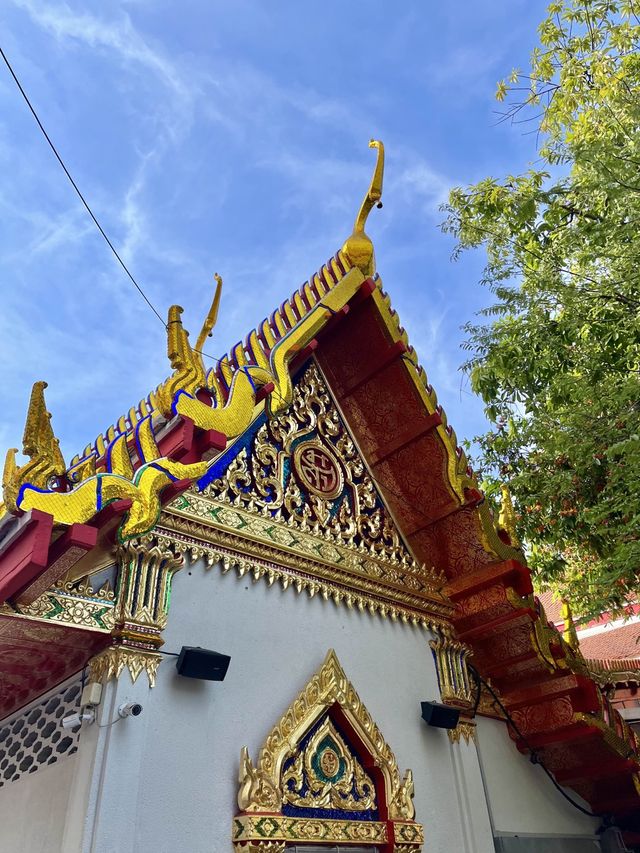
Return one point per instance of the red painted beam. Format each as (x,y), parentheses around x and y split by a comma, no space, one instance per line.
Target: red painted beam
(110,513)
(209,443)
(173,490)
(366,289)
(412,433)
(305,353)
(335,320)
(25,555)
(567,734)
(473,497)
(65,552)
(598,770)
(618,806)
(373,368)
(508,572)
(550,688)
(264,391)
(178,440)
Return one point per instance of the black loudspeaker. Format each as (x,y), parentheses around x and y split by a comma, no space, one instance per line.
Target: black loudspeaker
(440,716)
(194,662)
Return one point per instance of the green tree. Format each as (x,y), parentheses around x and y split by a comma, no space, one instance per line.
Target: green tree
(556,356)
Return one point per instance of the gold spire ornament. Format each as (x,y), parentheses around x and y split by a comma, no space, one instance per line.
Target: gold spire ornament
(358,247)
(507,516)
(39,443)
(569,632)
(188,364)
(212,317)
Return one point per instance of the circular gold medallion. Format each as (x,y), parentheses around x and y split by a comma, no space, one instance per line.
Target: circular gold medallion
(318,470)
(329,763)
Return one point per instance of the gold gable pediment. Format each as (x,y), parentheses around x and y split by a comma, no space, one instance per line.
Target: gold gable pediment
(292,499)
(309,785)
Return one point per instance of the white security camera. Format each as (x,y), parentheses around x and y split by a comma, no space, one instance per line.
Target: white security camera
(74,721)
(130,709)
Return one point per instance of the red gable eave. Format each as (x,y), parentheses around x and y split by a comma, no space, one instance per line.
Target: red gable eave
(393,413)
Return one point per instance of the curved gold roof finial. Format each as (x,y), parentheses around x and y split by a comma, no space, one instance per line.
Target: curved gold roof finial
(212,316)
(569,632)
(358,247)
(507,516)
(40,445)
(187,362)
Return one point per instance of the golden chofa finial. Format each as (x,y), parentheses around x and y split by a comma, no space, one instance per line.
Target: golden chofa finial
(40,445)
(212,316)
(507,516)
(187,362)
(569,633)
(358,247)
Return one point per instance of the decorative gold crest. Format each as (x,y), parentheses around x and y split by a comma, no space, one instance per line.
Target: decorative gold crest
(325,775)
(307,764)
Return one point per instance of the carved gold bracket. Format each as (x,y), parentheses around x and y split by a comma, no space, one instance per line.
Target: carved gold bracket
(112,661)
(456,687)
(146,569)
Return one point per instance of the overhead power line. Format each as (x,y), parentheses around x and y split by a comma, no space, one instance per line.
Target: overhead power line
(86,204)
(77,189)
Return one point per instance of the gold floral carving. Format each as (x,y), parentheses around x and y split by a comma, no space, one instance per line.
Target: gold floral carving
(112,661)
(74,604)
(342,542)
(259,481)
(46,463)
(401,806)
(232,404)
(42,483)
(287,773)
(251,832)
(257,790)
(317,780)
(147,568)
(263,562)
(465,730)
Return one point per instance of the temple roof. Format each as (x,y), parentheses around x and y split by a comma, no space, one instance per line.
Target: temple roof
(129,477)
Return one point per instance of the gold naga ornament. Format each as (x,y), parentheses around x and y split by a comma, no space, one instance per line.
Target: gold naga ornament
(39,483)
(131,466)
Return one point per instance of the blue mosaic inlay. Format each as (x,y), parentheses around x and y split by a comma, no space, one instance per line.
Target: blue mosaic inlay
(334,814)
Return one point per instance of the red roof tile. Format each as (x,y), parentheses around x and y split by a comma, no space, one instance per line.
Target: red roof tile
(613,643)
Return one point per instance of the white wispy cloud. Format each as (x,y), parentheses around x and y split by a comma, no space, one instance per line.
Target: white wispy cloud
(117,35)
(419,184)
(308,141)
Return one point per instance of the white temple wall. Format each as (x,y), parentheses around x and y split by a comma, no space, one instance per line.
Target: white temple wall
(45,771)
(33,810)
(522,799)
(167,782)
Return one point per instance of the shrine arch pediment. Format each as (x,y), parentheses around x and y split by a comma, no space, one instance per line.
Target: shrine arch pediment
(325,777)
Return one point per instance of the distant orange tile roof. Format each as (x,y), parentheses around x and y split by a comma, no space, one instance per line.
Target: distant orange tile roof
(613,643)
(552,606)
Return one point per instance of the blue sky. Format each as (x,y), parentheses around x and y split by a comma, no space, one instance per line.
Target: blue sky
(232,137)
